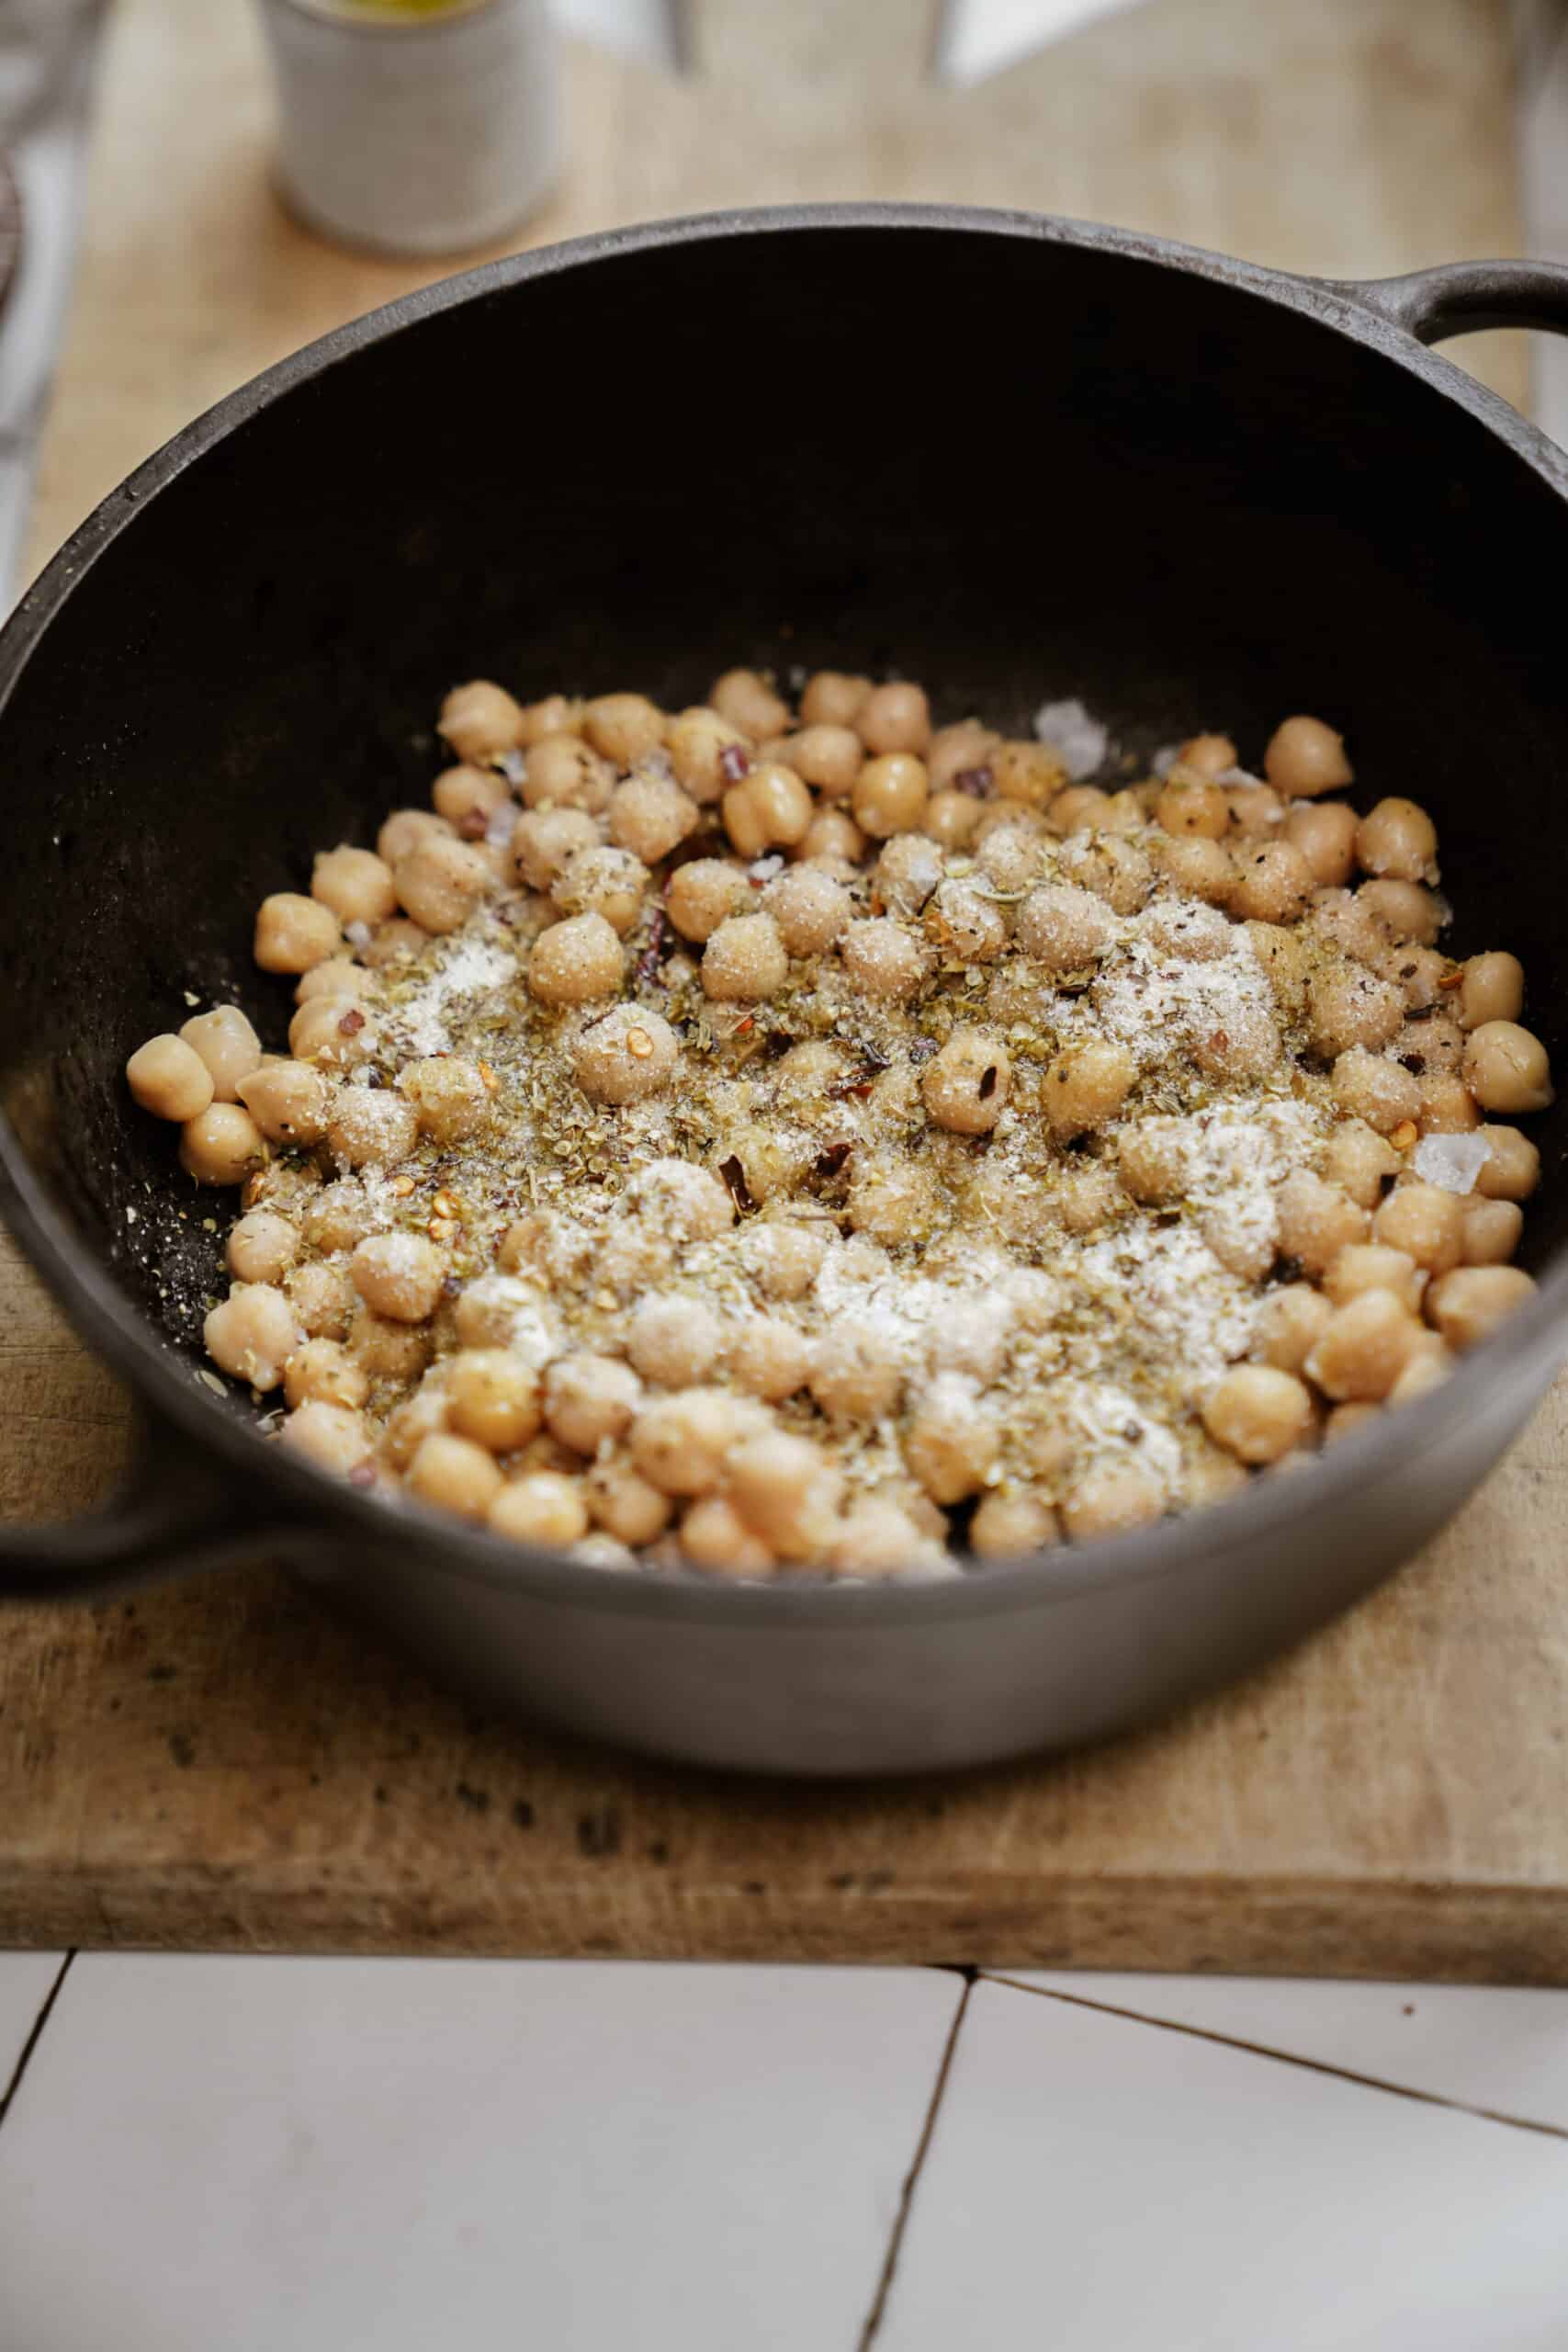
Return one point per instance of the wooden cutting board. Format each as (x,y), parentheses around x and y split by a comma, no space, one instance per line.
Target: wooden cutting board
(225,1765)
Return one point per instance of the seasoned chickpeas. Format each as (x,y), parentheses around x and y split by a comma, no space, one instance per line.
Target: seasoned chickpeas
(831,1137)
(169,1077)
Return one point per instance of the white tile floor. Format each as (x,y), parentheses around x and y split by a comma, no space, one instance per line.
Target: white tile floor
(400,2155)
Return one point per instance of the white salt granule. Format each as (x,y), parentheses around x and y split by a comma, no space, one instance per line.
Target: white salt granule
(1452,1162)
(1069,730)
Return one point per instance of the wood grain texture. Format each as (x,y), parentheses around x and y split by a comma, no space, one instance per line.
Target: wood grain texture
(228,1765)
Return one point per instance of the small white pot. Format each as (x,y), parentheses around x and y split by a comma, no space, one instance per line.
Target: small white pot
(415,134)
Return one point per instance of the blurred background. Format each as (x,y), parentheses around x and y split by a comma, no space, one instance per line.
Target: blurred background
(197,186)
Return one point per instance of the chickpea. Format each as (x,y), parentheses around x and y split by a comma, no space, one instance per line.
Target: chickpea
(858,1374)
(262,1246)
(494,1398)
(1085,1088)
(338,1216)
(892,1202)
(966,1087)
(1346,1420)
(681,1441)
(1491,1231)
(681,1201)
(1363,1348)
(625,1056)
(1274,884)
(1506,1067)
(1420,973)
(1473,1302)
(228,1047)
(1115,870)
(768,809)
(1430,1363)
(576,961)
(1425,1222)
(1324,835)
(1199,868)
(1032,775)
(469,800)
(698,742)
(371,1128)
(715,1536)
(1316,1221)
(221,1145)
(1064,928)
(1370,1087)
(834,840)
(1211,756)
(554,715)
(882,959)
(405,830)
(1493,988)
(964,748)
(769,1358)
(1086,1198)
(1305,757)
(399,1275)
(504,1311)
(828,758)
(337,976)
(1258,1413)
(1192,806)
(394,942)
(289,1102)
(293,933)
(675,1342)
(1112,1499)
(1256,812)
(744,961)
(951,820)
(833,699)
(880,1536)
(1429,1044)
(624,1505)
(329,1029)
(561,772)
(966,923)
(1152,1160)
(809,908)
(748,701)
(332,1436)
(1347,1006)
(951,1446)
(890,794)
(603,881)
(541,1508)
(1214,1475)
(388,1350)
(786,1492)
(322,1297)
(1375,1266)
(454,1475)
(1511,1170)
(702,894)
(624,728)
(252,1334)
(894,718)
(1397,838)
(168,1076)
(1290,1321)
(1406,911)
(1247,1044)
(448,1094)
(1081,809)
(786,1260)
(322,1369)
(907,871)
(650,816)
(1007,1525)
(1198,933)
(353,885)
(590,1400)
(481,720)
(1447,1108)
(439,882)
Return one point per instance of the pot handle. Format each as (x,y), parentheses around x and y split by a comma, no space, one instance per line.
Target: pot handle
(1461,297)
(174,1516)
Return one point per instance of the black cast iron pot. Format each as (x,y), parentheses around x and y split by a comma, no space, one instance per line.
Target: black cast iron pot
(1192,492)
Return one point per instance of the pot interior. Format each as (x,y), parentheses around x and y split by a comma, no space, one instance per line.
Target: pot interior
(1012,468)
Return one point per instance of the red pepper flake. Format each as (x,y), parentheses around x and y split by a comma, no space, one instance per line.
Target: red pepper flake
(647,962)
(351,1023)
(734,1177)
(743,1028)
(977,782)
(922,1049)
(472,825)
(734,763)
(362,1474)
(829,1162)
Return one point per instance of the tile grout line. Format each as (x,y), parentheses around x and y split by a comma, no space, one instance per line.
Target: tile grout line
(8,2096)
(874,2319)
(1283,2057)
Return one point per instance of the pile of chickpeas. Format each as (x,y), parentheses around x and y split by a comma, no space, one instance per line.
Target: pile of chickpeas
(834,903)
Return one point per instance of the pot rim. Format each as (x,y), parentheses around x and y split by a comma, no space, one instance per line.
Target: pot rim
(332,1515)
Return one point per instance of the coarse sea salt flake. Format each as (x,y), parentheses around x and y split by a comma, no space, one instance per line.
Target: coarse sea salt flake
(1452,1162)
(1080,739)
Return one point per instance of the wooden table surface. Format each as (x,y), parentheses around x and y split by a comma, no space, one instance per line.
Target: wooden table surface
(225,1765)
